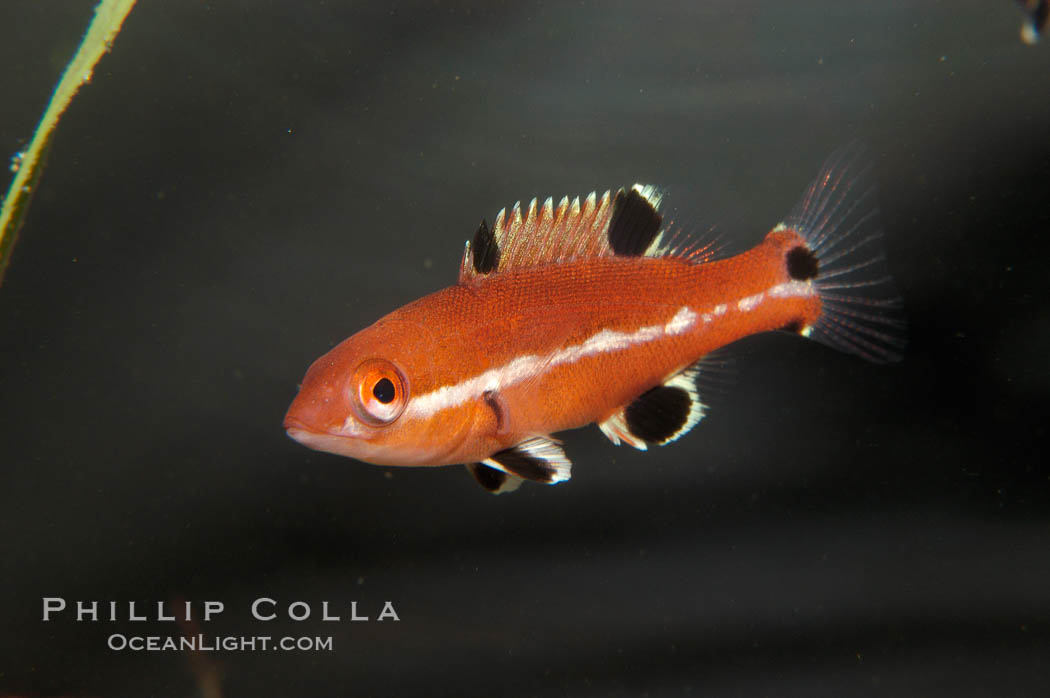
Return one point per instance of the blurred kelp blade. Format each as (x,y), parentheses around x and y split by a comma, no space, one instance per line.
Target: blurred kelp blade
(28,165)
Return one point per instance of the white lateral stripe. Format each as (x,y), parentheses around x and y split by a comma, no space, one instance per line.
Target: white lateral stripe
(605,341)
(791,289)
(681,321)
(750,302)
(525,367)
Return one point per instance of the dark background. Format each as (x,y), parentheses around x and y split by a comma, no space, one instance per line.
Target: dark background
(244,184)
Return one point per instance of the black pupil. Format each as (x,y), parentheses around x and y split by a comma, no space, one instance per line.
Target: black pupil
(383,390)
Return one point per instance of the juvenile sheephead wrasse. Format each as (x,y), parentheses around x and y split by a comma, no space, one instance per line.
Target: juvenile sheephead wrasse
(588,311)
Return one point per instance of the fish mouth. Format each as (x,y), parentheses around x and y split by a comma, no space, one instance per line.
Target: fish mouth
(342,444)
(352,440)
(308,435)
(293,424)
(322,440)
(330,440)
(300,430)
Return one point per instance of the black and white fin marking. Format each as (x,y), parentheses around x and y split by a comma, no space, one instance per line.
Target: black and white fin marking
(493,480)
(660,415)
(484,250)
(539,459)
(844,260)
(635,221)
(627,222)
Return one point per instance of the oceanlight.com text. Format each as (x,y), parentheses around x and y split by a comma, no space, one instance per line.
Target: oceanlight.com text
(232,643)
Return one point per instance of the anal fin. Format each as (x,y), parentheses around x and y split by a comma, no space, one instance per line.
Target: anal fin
(659,415)
(539,459)
(615,429)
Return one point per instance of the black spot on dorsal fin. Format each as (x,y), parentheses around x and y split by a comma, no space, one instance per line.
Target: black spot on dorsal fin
(539,459)
(802,264)
(635,223)
(484,250)
(659,414)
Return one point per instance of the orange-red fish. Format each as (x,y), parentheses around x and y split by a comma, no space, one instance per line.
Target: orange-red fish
(585,312)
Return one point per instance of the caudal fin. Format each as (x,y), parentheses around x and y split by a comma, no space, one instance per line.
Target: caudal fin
(838,219)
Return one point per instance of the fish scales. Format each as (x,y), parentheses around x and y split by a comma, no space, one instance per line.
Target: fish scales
(574,314)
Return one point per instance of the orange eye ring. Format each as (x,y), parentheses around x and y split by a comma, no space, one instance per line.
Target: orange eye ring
(378,392)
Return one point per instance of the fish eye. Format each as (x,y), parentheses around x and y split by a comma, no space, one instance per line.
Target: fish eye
(378,392)
(384,391)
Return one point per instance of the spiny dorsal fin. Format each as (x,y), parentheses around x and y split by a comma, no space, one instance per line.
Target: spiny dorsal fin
(486,252)
(626,223)
(539,459)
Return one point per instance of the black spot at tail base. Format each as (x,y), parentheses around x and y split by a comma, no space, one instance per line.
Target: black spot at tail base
(795,327)
(658,414)
(634,223)
(484,250)
(802,264)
